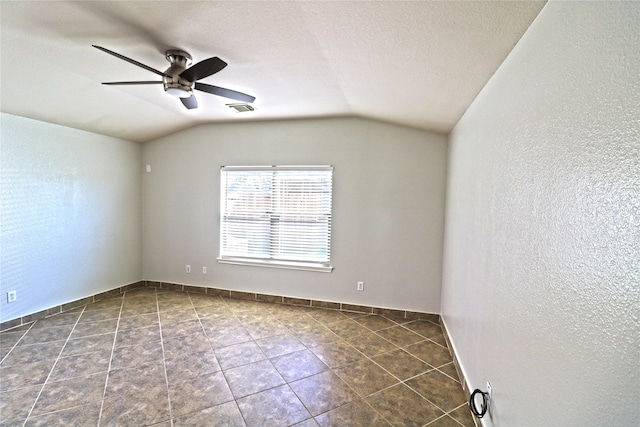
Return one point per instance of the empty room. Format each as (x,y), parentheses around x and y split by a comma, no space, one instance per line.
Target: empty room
(319,213)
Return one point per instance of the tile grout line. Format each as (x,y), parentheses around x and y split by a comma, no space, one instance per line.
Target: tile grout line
(17,342)
(164,361)
(54,364)
(113,346)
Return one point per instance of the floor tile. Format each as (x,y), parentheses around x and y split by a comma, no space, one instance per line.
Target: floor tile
(169,305)
(239,354)
(85,415)
(135,380)
(9,339)
(110,303)
(80,365)
(316,336)
(431,353)
(183,345)
(136,309)
(218,311)
(70,393)
(439,389)
(68,318)
(425,328)
(326,316)
(371,344)
(265,330)
(450,369)
(439,339)
(44,335)
(137,336)
(463,415)
(323,392)
(180,315)
(374,322)
(365,377)
(136,409)
(24,374)
(310,422)
(275,407)
(223,336)
(356,413)
(138,321)
(252,378)
(83,329)
(33,353)
(199,300)
(297,365)
(279,345)
(96,315)
(400,336)
(191,366)
(103,342)
(402,364)
(347,328)
(16,404)
(199,393)
(226,414)
(336,354)
(444,421)
(401,406)
(135,355)
(188,327)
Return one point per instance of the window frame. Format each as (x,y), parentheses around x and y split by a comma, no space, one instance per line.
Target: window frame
(271,262)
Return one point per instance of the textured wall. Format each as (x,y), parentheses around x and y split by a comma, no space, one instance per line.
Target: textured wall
(70,214)
(541,277)
(388,208)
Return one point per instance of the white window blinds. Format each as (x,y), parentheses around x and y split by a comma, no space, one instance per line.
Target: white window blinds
(276,215)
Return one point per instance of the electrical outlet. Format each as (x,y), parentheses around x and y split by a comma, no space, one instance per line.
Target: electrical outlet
(360,286)
(204,270)
(187,268)
(489,397)
(12,296)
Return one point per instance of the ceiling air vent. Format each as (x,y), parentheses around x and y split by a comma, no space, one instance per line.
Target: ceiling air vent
(241,108)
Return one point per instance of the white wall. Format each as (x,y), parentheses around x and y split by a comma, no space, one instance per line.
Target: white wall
(541,277)
(70,214)
(388,208)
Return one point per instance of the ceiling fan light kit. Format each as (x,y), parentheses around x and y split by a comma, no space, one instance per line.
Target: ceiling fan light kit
(179,80)
(174,84)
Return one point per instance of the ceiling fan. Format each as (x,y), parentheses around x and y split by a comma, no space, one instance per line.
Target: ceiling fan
(179,81)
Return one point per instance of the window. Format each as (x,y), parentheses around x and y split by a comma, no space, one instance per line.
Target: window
(277,216)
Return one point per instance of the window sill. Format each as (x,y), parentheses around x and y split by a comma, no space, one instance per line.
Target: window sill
(277,264)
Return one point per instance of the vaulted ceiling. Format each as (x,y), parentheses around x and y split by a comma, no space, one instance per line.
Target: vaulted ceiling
(415,63)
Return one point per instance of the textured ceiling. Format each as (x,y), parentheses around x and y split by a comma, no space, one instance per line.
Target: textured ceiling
(413,63)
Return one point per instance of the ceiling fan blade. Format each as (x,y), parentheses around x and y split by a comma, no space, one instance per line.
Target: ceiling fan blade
(203,69)
(133,83)
(227,93)
(139,64)
(190,102)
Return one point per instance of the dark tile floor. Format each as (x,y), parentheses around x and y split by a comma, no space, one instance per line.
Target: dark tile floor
(154,357)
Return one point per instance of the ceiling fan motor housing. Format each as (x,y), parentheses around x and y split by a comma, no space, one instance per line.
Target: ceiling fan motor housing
(173,83)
